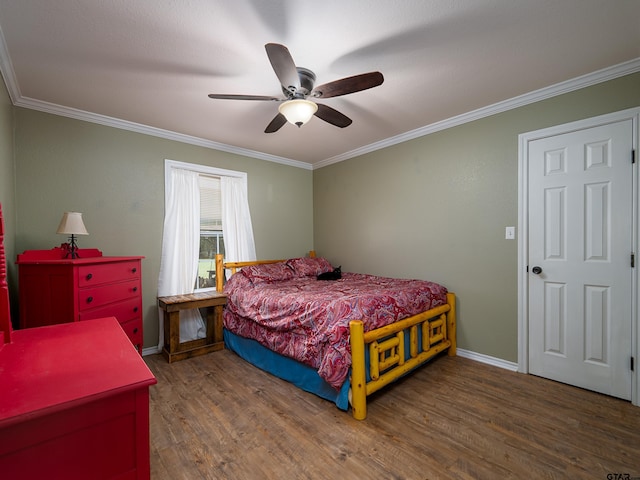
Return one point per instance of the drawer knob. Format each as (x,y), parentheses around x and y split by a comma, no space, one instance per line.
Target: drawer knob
(89,299)
(135,289)
(89,276)
(135,309)
(134,269)
(135,330)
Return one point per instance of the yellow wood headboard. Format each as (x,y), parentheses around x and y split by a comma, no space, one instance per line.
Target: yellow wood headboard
(221,266)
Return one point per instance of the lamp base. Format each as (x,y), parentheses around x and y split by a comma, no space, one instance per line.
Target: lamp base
(72,248)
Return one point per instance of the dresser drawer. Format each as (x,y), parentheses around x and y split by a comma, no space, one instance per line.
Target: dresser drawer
(89,298)
(133,329)
(124,311)
(107,273)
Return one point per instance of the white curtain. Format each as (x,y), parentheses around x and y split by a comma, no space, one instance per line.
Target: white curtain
(236,220)
(181,248)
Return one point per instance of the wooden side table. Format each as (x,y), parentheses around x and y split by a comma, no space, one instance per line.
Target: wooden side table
(173,349)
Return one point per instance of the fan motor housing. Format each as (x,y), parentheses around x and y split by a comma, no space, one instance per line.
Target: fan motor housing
(307,80)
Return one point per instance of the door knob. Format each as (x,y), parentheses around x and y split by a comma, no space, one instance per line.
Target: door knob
(537,270)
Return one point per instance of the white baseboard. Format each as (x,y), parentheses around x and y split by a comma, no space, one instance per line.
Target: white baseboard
(479,357)
(150,351)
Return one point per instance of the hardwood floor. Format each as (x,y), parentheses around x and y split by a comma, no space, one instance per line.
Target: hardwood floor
(217,417)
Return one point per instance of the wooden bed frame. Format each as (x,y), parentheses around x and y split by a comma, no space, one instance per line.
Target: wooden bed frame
(387,346)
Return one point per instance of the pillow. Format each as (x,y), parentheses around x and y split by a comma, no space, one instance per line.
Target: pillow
(268,272)
(309,267)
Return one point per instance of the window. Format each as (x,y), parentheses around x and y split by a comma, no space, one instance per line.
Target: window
(190,239)
(211,238)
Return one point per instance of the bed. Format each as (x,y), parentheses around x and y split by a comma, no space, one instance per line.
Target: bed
(340,339)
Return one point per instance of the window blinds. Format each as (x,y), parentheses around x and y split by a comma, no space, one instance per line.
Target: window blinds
(210,204)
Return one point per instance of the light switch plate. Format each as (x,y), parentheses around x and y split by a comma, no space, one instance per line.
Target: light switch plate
(510,233)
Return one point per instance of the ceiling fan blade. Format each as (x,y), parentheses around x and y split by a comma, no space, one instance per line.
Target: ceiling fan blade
(332,116)
(278,121)
(347,85)
(224,96)
(283,65)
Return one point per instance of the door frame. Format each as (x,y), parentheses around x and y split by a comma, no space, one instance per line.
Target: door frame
(523,237)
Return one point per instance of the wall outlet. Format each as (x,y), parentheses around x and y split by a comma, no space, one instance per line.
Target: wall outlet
(510,233)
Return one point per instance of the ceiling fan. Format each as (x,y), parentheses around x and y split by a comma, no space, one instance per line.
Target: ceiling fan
(298,85)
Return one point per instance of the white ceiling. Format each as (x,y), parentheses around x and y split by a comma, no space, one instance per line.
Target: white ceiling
(148,65)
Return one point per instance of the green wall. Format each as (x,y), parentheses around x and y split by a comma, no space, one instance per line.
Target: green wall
(116,179)
(7,177)
(436,208)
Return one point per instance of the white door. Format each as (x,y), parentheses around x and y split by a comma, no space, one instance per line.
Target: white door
(579,266)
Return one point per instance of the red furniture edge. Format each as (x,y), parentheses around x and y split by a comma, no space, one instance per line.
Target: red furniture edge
(74,403)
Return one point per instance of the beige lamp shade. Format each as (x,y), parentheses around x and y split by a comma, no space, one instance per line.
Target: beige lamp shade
(72,224)
(298,111)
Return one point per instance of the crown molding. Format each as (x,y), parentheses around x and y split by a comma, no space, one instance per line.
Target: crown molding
(609,73)
(54,109)
(7,71)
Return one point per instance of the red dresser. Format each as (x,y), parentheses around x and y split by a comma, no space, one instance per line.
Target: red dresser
(57,290)
(74,404)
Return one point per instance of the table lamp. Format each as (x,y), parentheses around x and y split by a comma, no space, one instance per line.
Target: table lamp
(71,224)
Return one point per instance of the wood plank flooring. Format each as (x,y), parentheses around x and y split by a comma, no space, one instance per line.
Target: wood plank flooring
(217,417)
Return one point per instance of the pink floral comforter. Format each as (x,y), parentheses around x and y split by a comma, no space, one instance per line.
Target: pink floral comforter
(308,319)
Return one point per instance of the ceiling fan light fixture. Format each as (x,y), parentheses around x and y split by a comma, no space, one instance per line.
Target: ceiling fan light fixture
(298,112)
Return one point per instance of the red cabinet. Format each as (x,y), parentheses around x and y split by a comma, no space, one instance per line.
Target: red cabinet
(55,290)
(74,404)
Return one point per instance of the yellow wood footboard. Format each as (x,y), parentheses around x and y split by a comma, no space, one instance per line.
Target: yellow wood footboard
(389,345)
